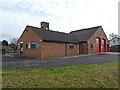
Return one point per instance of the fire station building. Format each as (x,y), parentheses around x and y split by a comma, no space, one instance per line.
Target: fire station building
(43,42)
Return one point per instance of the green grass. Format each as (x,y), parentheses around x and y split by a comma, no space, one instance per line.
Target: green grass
(84,76)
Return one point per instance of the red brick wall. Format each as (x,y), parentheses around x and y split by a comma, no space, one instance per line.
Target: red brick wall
(29,36)
(99,33)
(72,51)
(52,49)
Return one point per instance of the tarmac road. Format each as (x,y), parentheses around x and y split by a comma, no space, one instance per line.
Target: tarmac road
(22,62)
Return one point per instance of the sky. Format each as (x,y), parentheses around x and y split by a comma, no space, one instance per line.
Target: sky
(62,15)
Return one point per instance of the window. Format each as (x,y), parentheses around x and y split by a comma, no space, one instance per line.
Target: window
(71,45)
(114,41)
(37,45)
(27,45)
(33,45)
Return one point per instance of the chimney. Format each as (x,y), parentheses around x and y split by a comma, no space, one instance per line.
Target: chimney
(45,25)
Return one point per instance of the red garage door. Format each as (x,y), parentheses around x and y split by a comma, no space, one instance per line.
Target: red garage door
(98,45)
(103,45)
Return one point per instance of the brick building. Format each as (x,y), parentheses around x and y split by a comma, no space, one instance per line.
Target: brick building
(43,42)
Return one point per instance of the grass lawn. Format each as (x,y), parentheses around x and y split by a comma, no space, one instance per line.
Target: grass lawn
(83,76)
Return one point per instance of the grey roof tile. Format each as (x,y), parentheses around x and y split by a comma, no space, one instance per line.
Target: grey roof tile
(72,37)
(84,34)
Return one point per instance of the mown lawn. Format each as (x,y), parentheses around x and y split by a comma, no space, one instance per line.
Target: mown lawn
(83,76)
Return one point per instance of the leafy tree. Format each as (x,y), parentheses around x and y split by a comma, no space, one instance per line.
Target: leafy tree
(5,43)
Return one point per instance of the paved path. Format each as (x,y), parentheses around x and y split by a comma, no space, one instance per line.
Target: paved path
(21,62)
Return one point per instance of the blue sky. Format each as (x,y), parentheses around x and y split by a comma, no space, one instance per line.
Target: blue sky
(62,15)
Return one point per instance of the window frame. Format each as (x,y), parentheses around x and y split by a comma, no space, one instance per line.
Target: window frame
(71,46)
(26,45)
(33,43)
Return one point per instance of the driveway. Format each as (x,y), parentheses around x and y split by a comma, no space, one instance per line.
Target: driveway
(22,62)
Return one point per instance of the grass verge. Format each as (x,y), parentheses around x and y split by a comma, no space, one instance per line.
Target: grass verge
(83,76)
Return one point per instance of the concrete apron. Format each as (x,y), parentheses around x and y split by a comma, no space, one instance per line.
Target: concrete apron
(116,53)
(82,55)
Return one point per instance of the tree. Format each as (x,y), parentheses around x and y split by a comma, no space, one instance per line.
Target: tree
(12,45)
(14,41)
(111,36)
(5,43)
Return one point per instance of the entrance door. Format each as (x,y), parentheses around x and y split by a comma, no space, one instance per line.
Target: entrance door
(81,48)
(21,48)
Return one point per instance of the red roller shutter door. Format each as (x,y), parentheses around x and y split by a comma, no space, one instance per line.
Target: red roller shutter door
(103,45)
(97,44)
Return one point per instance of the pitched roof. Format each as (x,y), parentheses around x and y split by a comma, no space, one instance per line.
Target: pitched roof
(118,38)
(84,34)
(49,35)
(72,37)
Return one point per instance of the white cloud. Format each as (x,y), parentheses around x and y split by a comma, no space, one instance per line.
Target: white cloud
(63,15)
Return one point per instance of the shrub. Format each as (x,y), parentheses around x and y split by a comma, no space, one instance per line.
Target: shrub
(3,51)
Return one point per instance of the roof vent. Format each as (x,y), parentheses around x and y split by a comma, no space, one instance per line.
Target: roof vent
(45,25)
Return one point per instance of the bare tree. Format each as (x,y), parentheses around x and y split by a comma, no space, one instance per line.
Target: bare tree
(111,36)
(14,41)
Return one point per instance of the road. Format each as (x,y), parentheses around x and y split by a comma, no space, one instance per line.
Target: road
(22,62)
